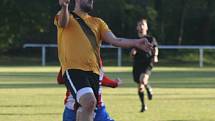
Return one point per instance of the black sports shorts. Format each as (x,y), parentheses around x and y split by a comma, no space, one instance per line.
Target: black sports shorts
(141,68)
(80,82)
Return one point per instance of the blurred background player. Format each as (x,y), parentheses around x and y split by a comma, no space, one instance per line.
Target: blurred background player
(143,63)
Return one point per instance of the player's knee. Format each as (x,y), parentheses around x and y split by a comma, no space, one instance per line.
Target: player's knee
(141,88)
(88,102)
(144,79)
(91,105)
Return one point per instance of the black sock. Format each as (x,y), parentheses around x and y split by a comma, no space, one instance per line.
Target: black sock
(149,91)
(148,87)
(141,95)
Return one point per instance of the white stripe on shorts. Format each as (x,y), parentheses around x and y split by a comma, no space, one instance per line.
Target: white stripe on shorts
(70,81)
(83,91)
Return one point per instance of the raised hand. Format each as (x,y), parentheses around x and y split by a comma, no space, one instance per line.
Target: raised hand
(119,81)
(155,59)
(144,44)
(133,52)
(64,3)
(64,13)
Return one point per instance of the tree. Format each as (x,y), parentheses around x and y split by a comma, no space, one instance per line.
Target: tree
(24,21)
(182,20)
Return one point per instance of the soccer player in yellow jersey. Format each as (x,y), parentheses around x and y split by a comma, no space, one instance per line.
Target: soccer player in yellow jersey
(80,67)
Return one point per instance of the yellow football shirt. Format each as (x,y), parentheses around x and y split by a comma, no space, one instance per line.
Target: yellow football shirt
(74,48)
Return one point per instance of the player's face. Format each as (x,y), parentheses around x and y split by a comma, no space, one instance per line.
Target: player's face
(86,5)
(142,28)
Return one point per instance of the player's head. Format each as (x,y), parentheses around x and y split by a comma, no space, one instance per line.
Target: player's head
(84,5)
(142,27)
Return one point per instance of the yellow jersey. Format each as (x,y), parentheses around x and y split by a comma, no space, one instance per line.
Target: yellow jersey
(74,48)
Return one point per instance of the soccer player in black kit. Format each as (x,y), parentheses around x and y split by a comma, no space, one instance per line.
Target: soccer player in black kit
(143,63)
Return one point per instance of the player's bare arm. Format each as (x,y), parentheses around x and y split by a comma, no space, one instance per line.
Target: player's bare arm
(133,52)
(64,13)
(142,43)
(155,55)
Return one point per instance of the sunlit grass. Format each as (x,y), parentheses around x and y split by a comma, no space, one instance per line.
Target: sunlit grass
(180,94)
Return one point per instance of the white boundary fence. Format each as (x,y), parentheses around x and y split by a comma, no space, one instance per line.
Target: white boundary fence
(44,46)
(119,51)
(43,50)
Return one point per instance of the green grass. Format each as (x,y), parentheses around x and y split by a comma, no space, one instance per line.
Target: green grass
(180,94)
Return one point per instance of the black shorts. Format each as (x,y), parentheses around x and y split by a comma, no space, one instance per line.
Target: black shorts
(141,68)
(80,82)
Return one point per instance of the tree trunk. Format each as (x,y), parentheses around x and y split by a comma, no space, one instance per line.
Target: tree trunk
(181,28)
(158,7)
(206,27)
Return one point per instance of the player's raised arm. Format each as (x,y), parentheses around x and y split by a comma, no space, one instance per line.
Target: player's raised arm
(64,13)
(142,43)
(155,53)
(106,81)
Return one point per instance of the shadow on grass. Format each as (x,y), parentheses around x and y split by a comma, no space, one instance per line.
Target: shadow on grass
(176,85)
(27,74)
(174,79)
(168,97)
(27,114)
(25,106)
(167,79)
(181,120)
(37,85)
(127,85)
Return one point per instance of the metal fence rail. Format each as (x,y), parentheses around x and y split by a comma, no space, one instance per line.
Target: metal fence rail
(200,47)
(119,50)
(43,50)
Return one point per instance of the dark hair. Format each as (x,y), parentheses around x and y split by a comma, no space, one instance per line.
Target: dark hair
(141,19)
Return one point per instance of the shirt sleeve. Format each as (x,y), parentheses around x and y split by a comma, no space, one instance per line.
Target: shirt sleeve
(103,28)
(60,79)
(108,82)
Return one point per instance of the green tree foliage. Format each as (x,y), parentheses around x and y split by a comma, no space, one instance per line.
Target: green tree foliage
(171,21)
(25,21)
(190,20)
(122,15)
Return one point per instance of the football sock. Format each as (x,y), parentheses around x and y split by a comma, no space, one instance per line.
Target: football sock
(149,91)
(143,106)
(141,95)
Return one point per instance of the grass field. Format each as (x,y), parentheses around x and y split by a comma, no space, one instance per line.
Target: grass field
(180,94)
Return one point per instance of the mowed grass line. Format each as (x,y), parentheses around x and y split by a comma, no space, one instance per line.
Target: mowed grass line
(168,105)
(181,94)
